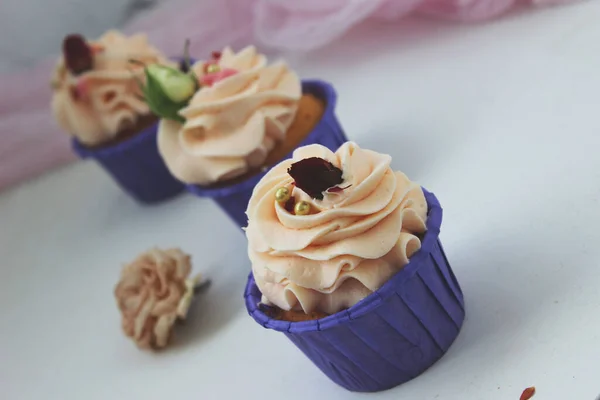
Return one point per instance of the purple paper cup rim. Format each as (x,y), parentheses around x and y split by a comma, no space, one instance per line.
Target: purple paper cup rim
(107,151)
(323,90)
(369,303)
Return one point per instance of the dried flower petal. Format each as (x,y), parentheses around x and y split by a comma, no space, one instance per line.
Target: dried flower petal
(290,204)
(315,175)
(152,293)
(78,54)
(527,393)
(337,189)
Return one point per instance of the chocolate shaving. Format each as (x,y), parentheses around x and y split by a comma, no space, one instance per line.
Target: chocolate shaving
(78,54)
(315,175)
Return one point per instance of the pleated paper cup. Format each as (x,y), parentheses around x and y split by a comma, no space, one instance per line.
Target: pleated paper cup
(136,166)
(233,199)
(394,334)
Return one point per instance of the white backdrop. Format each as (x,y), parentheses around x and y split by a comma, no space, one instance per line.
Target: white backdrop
(500,121)
(31,29)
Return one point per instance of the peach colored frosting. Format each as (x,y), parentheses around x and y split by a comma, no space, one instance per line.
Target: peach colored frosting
(98,104)
(232,124)
(351,244)
(152,293)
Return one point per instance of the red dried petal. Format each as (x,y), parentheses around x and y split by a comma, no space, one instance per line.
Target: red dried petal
(337,189)
(211,79)
(289,205)
(527,393)
(216,55)
(315,175)
(78,54)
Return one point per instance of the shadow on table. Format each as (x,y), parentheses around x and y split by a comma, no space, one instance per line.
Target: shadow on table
(216,305)
(513,282)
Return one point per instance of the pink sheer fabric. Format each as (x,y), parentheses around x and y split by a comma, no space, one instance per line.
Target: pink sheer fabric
(31,143)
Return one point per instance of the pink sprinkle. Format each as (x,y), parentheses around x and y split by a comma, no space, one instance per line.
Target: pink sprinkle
(81,90)
(211,79)
(97,48)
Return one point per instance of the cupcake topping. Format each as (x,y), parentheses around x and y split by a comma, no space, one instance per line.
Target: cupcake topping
(213,72)
(95,87)
(282,195)
(315,175)
(78,55)
(212,65)
(167,90)
(242,108)
(326,255)
(302,208)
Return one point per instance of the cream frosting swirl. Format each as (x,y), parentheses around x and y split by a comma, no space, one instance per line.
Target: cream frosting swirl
(98,104)
(234,123)
(152,293)
(354,241)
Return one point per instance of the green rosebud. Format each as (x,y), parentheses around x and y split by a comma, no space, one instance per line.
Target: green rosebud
(168,90)
(176,85)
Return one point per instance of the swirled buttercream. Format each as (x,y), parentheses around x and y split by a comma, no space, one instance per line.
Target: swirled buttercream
(351,243)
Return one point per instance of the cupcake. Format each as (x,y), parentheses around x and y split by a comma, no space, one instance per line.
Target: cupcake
(245,116)
(347,263)
(97,100)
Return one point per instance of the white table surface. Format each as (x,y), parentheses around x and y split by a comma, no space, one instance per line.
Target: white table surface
(501,121)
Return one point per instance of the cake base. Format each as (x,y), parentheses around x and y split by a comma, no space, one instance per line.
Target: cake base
(293,315)
(310,111)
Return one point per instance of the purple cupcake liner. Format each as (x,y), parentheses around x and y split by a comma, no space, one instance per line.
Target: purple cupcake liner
(328,132)
(136,166)
(391,336)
